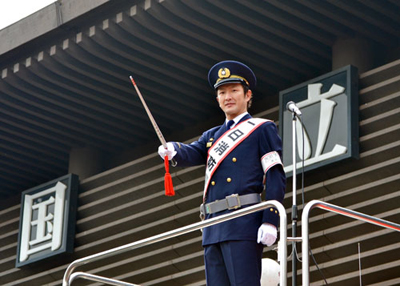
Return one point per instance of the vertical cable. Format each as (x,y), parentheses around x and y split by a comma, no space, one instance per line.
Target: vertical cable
(359,263)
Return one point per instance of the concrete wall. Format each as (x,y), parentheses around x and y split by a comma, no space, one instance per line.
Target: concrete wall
(44,21)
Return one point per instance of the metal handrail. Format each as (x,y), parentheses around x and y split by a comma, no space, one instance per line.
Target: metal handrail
(98,278)
(338,210)
(282,250)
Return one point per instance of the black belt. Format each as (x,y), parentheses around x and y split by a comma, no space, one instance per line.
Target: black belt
(231,202)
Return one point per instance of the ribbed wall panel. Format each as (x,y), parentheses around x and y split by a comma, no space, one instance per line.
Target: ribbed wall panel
(69,87)
(127,203)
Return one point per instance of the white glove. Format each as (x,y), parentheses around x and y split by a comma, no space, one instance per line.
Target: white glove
(267,234)
(170,152)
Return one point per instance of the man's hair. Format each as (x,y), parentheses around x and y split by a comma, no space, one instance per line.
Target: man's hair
(246,88)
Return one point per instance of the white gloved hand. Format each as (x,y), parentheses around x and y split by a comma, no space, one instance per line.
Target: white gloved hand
(170,152)
(267,234)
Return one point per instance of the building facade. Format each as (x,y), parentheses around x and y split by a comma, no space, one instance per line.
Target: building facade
(68,107)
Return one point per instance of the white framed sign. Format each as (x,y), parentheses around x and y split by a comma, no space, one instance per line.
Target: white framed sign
(47,220)
(329,106)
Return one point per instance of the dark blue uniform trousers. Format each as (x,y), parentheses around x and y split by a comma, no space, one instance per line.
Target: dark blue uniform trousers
(233,263)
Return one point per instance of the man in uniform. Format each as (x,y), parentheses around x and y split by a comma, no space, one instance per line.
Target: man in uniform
(242,157)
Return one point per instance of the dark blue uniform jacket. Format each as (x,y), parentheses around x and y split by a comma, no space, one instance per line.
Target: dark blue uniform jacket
(240,173)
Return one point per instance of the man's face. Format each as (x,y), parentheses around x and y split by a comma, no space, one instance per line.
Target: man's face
(232,100)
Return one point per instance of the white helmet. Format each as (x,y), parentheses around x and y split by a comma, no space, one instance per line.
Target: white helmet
(270,272)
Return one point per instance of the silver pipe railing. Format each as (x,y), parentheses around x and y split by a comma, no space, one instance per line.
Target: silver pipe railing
(338,210)
(282,250)
(98,278)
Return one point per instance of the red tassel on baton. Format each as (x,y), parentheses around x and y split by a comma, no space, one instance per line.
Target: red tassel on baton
(169,189)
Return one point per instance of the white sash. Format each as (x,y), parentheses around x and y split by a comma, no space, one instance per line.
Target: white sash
(226,143)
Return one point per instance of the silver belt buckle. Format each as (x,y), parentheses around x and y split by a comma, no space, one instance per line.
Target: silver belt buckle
(238,204)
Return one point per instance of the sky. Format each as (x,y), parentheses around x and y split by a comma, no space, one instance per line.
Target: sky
(12,11)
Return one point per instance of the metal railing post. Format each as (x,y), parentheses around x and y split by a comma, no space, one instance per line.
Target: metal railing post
(282,250)
(338,210)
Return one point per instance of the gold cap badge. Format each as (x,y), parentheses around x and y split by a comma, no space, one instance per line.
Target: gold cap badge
(224,73)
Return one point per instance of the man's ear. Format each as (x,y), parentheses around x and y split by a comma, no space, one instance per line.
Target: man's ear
(249,94)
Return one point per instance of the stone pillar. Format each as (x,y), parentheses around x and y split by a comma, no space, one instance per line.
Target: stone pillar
(85,162)
(353,51)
